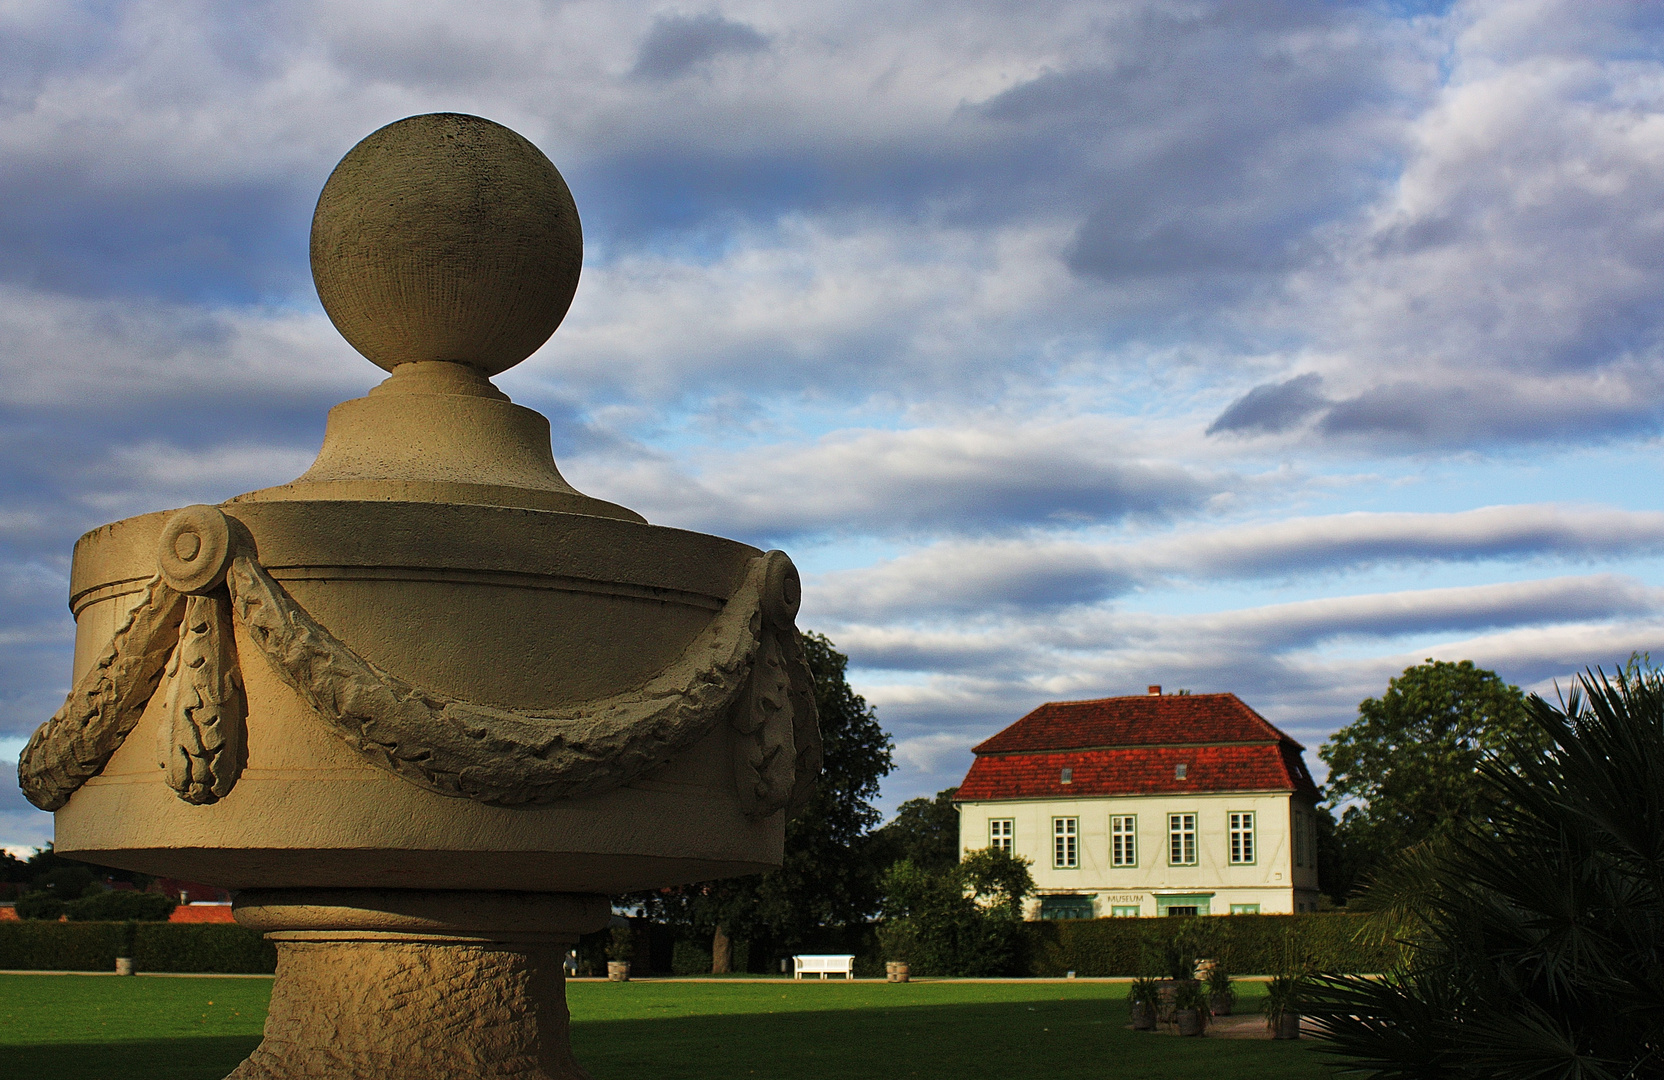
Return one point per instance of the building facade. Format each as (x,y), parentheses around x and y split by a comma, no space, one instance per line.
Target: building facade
(1180,804)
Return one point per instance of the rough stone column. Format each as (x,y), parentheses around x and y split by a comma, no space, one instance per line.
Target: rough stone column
(410,985)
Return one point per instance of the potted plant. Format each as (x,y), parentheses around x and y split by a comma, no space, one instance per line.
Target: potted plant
(619,950)
(1221,995)
(1179,956)
(1145,1000)
(1282,1006)
(1190,1007)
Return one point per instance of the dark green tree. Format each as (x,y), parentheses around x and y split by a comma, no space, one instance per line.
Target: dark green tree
(1535,924)
(965,919)
(924,831)
(1407,767)
(829,877)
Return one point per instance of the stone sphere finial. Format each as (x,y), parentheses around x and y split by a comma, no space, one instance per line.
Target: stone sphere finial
(446,237)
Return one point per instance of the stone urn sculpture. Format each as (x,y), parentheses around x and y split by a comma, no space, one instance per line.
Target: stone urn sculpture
(425,707)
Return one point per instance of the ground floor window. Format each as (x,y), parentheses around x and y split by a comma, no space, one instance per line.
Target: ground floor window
(999,833)
(1126,911)
(1182,905)
(1065,907)
(1245,909)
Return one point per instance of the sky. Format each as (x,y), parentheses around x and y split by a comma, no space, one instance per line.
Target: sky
(1068,347)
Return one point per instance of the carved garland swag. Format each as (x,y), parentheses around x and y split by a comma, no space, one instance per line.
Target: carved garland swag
(747,665)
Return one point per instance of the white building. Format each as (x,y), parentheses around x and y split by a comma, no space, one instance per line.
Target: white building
(1186,804)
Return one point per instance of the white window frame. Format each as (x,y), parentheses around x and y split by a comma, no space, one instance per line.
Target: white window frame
(1002,834)
(1065,843)
(1123,840)
(1241,832)
(1126,911)
(1181,839)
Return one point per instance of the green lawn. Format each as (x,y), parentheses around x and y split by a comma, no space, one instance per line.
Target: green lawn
(70,1028)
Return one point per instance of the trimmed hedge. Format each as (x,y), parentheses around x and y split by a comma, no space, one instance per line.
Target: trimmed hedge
(220,947)
(1250,944)
(38,945)
(223,948)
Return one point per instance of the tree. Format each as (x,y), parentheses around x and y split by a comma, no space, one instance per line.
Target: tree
(925,832)
(830,873)
(965,919)
(1535,926)
(1408,763)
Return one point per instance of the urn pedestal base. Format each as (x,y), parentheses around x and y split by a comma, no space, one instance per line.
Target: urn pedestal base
(417,985)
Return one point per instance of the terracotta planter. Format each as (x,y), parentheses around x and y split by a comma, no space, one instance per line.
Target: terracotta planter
(895,971)
(1286,1026)
(1143,1017)
(618,971)
(1220,1004)
(1189,1020)
(124,965)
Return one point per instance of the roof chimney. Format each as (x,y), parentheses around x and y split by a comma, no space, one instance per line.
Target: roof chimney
(1155,691)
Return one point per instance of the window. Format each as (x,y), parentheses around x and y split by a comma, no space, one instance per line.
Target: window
(1123,840)
(1065,907)
(1245,909)
(1179,770)
(1181,839)
(1067,776)
(999,834)
(1125,911)
(1065,835)
(1183,905)
(1242,837)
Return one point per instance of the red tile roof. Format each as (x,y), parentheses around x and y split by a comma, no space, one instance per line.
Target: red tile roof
(1132,745)
(1143,720)
(197,913)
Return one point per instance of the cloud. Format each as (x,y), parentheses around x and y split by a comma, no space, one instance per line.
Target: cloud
(678,43)
(1043,572)
(1227,637)
(822,309)
(116,355)
(928,753)
(1274,407)
(1237,131)
(930,480)
(22,827)
(1505,287)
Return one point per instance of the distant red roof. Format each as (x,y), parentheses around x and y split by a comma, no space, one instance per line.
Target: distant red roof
(1133,746)
(195,913)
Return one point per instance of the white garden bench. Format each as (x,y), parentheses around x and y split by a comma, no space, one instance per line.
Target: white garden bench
(823,966)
